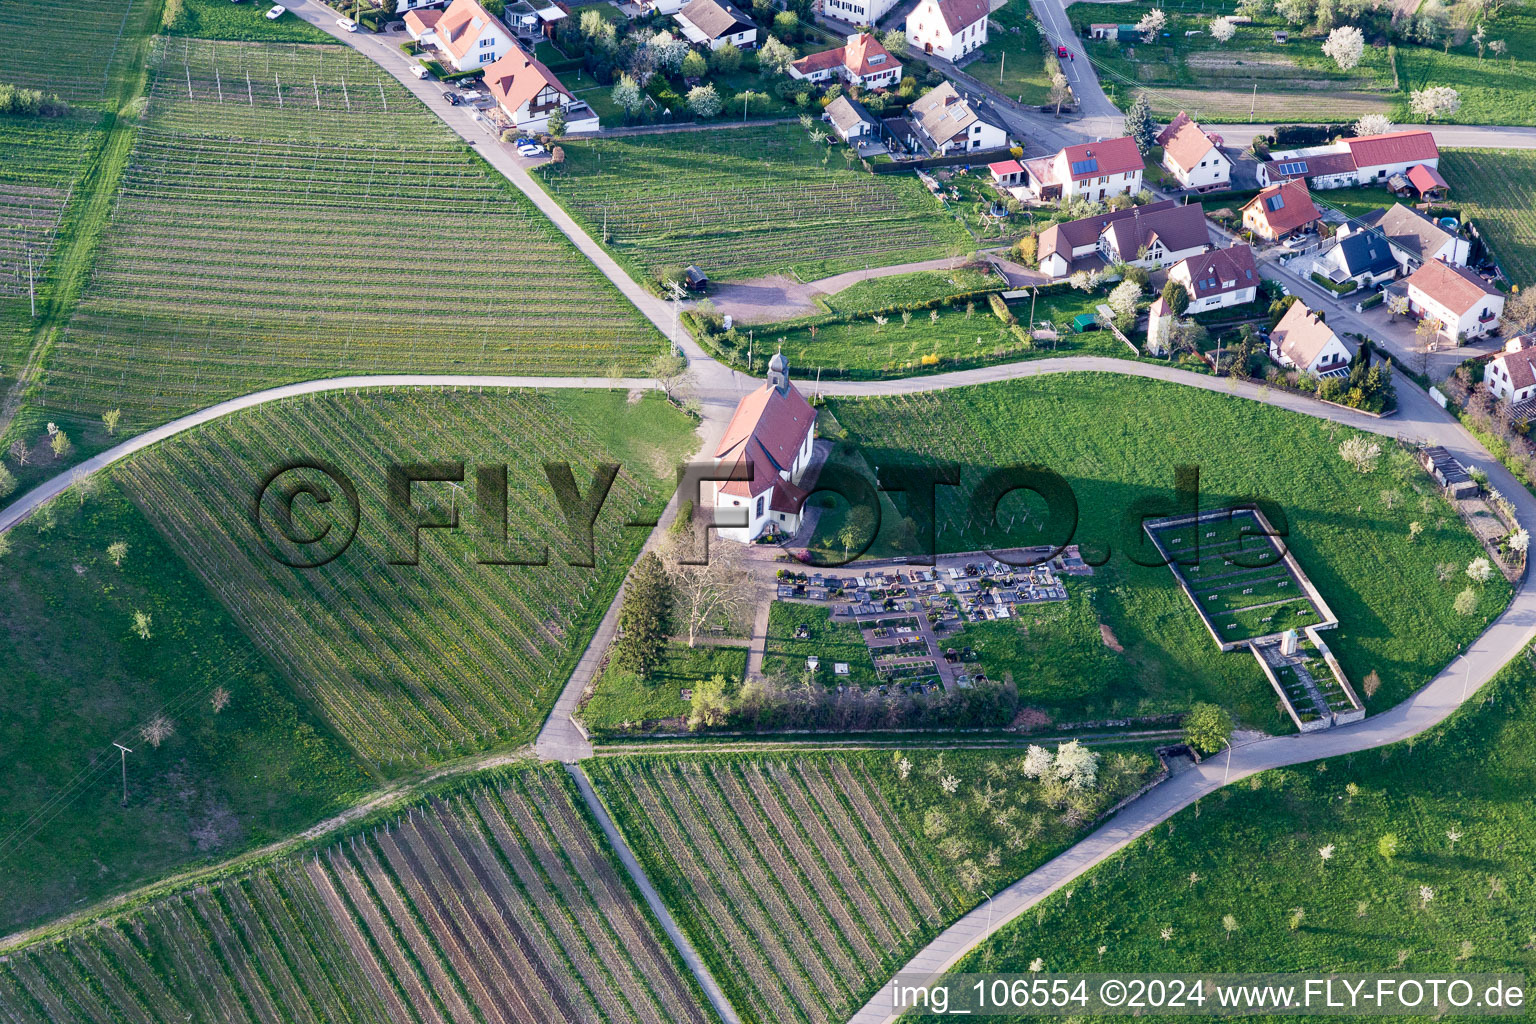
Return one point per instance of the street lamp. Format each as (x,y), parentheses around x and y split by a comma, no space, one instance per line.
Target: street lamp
(1228,773)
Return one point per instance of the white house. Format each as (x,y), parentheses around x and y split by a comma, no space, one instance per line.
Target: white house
(1412,238)
(1367,160)
(850,120)
(1074,245)
(1092,170)
(771,437)
(402,6)
(1219,278)
(861,61)
(942,121)
(1464,305)
(1154,238)
(1194,157)
(528,92)
(468,34)
(712,23)
(1511,375)
(948,28)
(1303,342)
(1361,257)
(857,12)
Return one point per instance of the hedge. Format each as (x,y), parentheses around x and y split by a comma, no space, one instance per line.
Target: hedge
(1337,289)
(1000,309)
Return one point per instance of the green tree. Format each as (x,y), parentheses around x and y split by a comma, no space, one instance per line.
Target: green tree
(627,95)
(709,705)
(694,65)
(727,59)
(774,57)
(1139,124)
(556,123)
(786,25)
(1387,846)
(645,617)
(1176,298)
(1207,728)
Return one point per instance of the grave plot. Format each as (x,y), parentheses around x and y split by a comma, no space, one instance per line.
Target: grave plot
(1242,581)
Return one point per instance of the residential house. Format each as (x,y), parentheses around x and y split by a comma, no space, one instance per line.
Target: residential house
(528,92)
(1464,305)
(1159,327)
(713,23)
(467,34)
(1194,157)
(1367,160)
(421,25)
(1280,211)
(532,20)
(1007,173)
(1155,238)
(941,121)
(1219,278)
(850,120)
(1414,239)
(405,6)
(770,438)
(1511,375)
(1303,342)
(1091,170)
(861,61)
(1086,244)
(1363,258)
(948,28)
(857,12)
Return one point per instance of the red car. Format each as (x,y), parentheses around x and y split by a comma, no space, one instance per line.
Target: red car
(1062,52)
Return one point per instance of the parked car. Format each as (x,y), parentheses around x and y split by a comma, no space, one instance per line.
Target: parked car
(466,84)
(420,72)
(530,149)
(277,11)
(1063,52)
(452,98)
(347,23)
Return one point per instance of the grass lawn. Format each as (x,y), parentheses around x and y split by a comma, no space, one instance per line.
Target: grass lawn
(830,641)
(1056,653)
(1497,190)
(76,677)
(622,697)
(1013,61)
(1395,616)
(247,22)
(1492,90)
(743,202)
(1251,851)
(805,880)
(924,286)
(465,650)
(853,344)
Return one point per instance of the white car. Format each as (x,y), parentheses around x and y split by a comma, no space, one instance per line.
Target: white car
(276,12)
(419,71)
(531,149)
(347,23)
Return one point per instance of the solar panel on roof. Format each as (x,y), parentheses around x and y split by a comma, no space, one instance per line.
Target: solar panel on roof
(1274,203)
(1085,166)
(1294,167)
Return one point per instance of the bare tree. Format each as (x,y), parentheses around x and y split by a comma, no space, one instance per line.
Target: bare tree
(220,699)
(157,730)
(671,373)
(117,551)
(21,452)
(720,590)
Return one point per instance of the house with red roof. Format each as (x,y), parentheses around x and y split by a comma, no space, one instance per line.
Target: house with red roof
(1219,278)
(1280,211)
(948,28)
(1511,375)
(1366,160)
(1091,170)
(767,448)
(468,35)
(1463,304)
(1194,157)
(1007,173)
(862,60)
(1303,342)
(528,92)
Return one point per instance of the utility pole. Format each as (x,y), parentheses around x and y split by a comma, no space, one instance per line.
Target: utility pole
(1253,105)
(125,754)
(31,290)
(1002,70)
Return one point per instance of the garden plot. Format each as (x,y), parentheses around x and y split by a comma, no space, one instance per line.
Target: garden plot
(289,212)
(75,49)
(1241,579)
(493,902)
(746,202)
(414,663)
(1496,189)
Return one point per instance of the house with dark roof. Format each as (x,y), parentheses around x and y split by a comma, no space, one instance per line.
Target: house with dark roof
(1413,238)
(528,93)
(1074,245)
(766,450)
(1280,211)
(948,28)
(713,23)
(1194,157)
(1366,160)
(1219,278)
(1361,257)
(850,120)
(1511,375)
(1091,170)
(1463,304)
(862,60)
(1303,342)
(1155,238)
(942,121)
